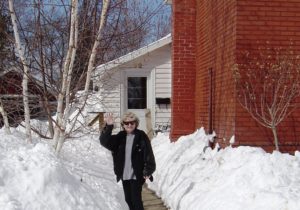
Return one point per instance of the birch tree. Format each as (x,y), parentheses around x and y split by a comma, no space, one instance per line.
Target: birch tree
(62,110)
(4,54)
(6,47)
(63,114)
(64,42)
(5,118)
(42,61)
(21,54)
(268,86)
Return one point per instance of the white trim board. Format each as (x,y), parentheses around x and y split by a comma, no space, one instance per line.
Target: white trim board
(135,54)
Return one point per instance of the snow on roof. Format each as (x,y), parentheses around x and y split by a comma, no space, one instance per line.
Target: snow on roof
(9,70)
(135,54)
(37,80)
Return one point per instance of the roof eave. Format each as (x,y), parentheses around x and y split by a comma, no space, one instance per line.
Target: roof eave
(168,1)
(135,54)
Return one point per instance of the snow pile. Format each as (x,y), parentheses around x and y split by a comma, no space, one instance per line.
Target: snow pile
(33,178)
(190,177)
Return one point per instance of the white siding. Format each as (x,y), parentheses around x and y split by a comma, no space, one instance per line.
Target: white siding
(160,62)
(163,90)
(110,91)
(111,85)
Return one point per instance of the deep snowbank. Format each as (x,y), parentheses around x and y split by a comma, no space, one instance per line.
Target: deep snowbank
(233,178)
(33,178)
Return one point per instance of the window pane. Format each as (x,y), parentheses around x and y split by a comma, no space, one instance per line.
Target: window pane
(137,92)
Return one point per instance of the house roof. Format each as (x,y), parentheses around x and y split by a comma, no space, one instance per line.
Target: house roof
(13,69)
(36,81)
(135,54)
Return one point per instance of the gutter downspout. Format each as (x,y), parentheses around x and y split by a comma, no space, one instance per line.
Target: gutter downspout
(210,101)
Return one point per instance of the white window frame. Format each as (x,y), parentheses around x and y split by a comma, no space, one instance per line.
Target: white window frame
(137,73)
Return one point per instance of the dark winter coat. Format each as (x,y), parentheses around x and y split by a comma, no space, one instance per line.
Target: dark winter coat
(142,158)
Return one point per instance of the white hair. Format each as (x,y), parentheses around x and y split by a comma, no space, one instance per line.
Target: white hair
(131,116)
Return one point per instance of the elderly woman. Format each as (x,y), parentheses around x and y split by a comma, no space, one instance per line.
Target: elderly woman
(132,156)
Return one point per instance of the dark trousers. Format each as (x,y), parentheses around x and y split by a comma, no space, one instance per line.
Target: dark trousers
(133,194)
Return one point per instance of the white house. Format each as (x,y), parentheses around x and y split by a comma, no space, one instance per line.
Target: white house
(139,82)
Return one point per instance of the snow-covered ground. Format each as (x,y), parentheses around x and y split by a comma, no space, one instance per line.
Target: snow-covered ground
(32,177)
(242,178)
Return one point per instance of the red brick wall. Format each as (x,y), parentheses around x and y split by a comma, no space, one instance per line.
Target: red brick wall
(184,66)
(224,29)
(274,23)
(216,21)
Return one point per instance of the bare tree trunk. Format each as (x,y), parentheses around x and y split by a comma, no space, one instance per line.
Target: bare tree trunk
(61,114)
(59,141)
(25,73)
(48,111)
(95,46)
(43,70)
(274,130)
(268,85)
(5,119)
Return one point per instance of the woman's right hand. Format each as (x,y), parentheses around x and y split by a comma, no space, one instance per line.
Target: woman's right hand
(108,118)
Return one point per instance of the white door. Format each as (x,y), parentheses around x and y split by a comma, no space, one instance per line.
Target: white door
(138,97)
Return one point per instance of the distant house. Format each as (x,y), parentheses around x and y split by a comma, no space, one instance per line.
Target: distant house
(207,39)
(140,82)
(12,96)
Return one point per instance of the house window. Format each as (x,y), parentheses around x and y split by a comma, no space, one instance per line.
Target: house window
(137,92)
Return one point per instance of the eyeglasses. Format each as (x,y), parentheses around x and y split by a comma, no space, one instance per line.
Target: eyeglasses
(129,122)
